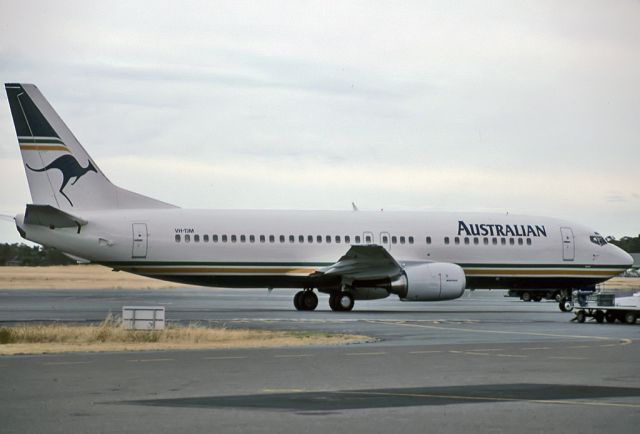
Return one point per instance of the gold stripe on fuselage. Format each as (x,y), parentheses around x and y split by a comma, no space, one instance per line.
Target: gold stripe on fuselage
(219,270)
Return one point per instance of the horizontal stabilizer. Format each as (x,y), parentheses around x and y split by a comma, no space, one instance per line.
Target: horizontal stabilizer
(47,215)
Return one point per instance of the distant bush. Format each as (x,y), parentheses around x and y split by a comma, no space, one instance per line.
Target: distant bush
(21,254)
(628,244)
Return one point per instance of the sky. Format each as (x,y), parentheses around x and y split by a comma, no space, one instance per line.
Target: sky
(528,107)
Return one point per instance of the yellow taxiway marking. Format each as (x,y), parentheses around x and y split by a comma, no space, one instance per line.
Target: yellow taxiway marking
(366,354)
(283,356)
(493,398)
(505,332)
(284,390)
(65,363)
(224,357)
(148,360)
(580,346)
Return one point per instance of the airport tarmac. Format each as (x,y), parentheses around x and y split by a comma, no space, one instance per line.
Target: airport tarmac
(480,363)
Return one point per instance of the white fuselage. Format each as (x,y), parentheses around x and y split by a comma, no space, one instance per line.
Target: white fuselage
(246,248)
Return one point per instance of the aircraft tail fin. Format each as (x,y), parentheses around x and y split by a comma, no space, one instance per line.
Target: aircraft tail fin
(59,170)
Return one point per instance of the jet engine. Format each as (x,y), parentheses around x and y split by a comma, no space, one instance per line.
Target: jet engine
(430,282)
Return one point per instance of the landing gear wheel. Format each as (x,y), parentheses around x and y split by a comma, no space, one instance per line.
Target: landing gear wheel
(526,296)
(297,300)
(580,316)
(305,300)
(333,302)
(599,316)
(630,318)
(610,317)
(537,298)
(344,301)
(565,305)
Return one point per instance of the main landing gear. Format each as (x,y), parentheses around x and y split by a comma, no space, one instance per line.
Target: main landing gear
(305,300)
(341,301)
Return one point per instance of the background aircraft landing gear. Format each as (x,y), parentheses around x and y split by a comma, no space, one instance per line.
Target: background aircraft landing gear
(565,305)
(305,300)
(341,301)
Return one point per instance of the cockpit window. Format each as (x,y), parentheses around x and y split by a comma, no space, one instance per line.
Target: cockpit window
(598,239)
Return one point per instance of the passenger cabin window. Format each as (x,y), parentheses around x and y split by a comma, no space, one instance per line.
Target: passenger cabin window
(385,239)
(347,239)
(402,240)
(301,238)
(282,238)
(475,240)
(243,238)
(233,238)
(328,238)
(466,240)
(511,241)
(528,241)
(272,238)
(410,240)
(494,241)
(446,240)
(205,238)
(319,238)
(456,240)
(196,238)
(292,239)
(263,238)
(177,238)
(357,239)
(503,241)
(252,238)
(428,240)
(214,238)
(338,239)
(394,239)
(520,242)
(187,238)
(367,239)
(485,241)
(310,238)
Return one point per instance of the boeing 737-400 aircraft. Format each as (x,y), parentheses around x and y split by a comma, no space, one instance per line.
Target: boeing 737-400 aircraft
(350,255)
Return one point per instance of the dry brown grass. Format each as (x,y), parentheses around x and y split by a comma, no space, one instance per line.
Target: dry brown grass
(76,277)
(110,336)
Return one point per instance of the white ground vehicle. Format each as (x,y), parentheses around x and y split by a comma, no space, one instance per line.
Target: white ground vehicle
(606,307)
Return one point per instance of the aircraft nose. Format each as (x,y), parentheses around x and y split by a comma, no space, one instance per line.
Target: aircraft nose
(624,258)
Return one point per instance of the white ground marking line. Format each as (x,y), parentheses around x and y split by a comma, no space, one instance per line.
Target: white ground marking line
(567,358)
(536,348)
(149,360)
(603,338)
(65,363)
(493,398)
(284,356)
(425,352)
(511,355)
(366,354)
(224,357)
(580,346)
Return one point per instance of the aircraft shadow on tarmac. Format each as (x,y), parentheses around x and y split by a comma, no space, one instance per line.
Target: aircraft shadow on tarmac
(401,397)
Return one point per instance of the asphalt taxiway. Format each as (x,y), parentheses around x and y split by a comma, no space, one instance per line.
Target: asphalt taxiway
(479,363)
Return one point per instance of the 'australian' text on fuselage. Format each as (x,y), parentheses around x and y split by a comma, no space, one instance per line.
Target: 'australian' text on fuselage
(484,229)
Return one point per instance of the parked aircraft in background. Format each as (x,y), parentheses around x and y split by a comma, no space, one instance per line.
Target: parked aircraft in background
(350,255)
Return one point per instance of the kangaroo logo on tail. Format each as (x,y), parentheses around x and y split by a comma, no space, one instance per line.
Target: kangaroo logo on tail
(70,168)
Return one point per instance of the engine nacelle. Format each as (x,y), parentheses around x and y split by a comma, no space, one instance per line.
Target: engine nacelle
(430,282)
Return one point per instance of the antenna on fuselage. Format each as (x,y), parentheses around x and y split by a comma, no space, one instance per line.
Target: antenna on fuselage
(355,207)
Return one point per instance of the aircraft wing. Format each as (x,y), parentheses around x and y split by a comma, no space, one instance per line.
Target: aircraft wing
(369,262)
